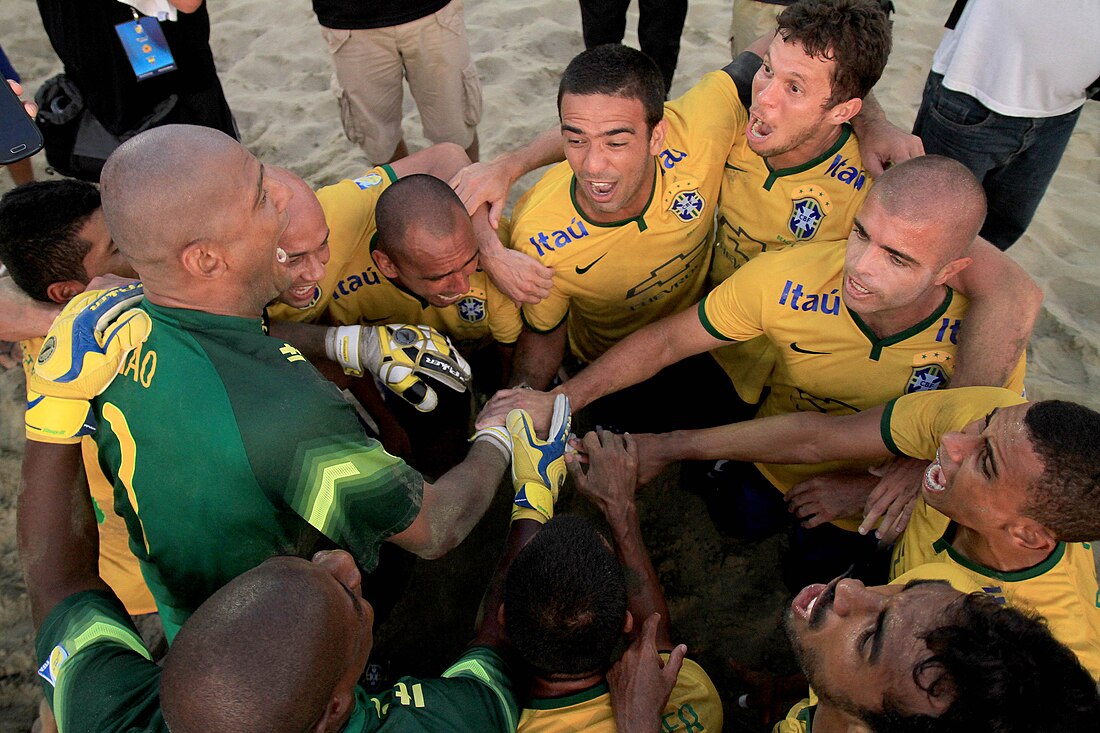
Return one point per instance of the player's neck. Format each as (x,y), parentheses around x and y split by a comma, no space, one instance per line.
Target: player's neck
(996,550)
(828,718)
(807,151)
(890,322)
(546,687)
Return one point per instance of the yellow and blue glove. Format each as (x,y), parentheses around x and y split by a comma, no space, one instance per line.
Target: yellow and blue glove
(400,355)
(58,420)
(538,466)
(88,342)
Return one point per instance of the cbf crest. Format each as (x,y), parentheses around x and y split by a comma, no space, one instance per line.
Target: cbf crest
(929,372)
(688,205)
(471,309)
(809,206)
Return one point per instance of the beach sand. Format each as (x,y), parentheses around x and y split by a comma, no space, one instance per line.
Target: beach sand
(724,598)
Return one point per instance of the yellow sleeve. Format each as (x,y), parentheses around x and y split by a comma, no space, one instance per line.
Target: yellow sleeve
(694,703)
(734,311)
(504,319)
(913,424)
(712,105)
(959,579)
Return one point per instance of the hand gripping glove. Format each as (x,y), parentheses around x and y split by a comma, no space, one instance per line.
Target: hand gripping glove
(538,467)
(88,342)
(399,355)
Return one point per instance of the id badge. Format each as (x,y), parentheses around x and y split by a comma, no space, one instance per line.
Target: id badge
(146,47)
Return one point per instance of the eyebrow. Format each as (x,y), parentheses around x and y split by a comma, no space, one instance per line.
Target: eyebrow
(433,278)
(878,639)
(609,133)
(259,188)
(989,443)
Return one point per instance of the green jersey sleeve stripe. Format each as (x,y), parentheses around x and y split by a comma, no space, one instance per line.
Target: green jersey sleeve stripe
(486,667)
(708,325)
(884,428)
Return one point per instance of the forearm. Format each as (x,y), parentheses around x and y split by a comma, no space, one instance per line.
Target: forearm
(545,149)
(459,499)
(638,357)
(800,437)
(1004,303)
(537,358)
(56,528)
(308,338)
(22,317)
(489,629)
(644,595)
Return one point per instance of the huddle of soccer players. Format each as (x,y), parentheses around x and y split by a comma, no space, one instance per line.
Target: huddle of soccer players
(858,319)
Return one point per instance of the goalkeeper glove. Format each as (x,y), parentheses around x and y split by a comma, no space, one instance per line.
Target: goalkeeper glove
(88,342)
(58,420)
(538,466)
(399,355)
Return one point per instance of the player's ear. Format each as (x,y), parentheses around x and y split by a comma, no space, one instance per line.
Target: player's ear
(657,137)
(63,291)
(202,260)
(385,264)
(845,111)
(336,712)
(628,623)
(1031,535)
(952,268)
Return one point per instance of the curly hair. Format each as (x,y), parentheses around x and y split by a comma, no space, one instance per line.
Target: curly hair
(39,233)
(855,34)
(565,599)
(1004,673)
(1066,498)
(616,71)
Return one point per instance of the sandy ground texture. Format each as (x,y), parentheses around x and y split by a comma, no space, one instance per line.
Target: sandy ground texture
(724,598)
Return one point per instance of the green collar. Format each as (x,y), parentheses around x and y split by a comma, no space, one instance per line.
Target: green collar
(773,175)
(196,320)
(943,544)
(640,218)
(877,344)
(576,698)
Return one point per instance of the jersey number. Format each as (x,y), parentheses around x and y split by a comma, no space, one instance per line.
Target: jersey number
(127,449)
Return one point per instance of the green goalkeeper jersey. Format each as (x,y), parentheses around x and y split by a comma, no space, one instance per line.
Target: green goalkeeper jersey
(226,446)
(98,679)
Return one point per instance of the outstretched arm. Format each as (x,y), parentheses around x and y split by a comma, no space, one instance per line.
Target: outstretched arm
(609,483)
(454,504)
(56,527)
(22,317)
(799,437)
(1004,303)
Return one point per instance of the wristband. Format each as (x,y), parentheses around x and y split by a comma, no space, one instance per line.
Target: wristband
(498,437)
(342,346)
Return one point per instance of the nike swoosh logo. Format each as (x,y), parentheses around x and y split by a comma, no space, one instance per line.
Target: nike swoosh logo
(800,350)
(582,270)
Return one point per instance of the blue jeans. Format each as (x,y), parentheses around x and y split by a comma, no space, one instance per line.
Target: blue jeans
(1013,157)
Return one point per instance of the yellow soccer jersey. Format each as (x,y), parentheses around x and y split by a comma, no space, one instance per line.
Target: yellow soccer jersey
(354,290)
(762,209)
(693,705)
(612,279)
(117,565)
(828,360)
(1063,588)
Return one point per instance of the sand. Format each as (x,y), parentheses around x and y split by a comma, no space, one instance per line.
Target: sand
(276,74)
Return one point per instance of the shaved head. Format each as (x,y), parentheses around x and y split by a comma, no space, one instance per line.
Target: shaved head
(420,202)
(163,189)
(935,190)
(262,654)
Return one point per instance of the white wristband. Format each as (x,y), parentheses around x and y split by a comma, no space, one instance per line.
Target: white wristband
(342,346)
(498,437)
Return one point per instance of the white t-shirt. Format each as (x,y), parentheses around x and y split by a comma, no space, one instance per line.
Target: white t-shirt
(1023,58)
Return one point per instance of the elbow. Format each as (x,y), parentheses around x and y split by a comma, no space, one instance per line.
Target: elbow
(1031,297)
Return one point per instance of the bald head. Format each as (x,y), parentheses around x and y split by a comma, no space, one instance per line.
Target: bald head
(166,187)
(417,202)
(262,654)
(933,189)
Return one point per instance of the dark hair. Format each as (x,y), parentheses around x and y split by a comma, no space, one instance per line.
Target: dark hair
(1066,498)
(416,200)
(1004,672)
(855,34)
(565,599)
(616,71)
(39,223)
